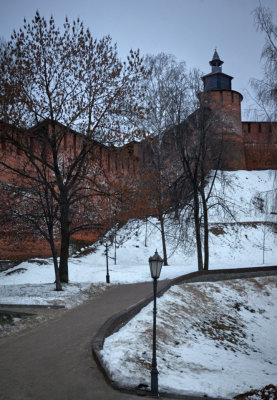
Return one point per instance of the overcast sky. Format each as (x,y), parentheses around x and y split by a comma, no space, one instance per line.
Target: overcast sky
(188,29)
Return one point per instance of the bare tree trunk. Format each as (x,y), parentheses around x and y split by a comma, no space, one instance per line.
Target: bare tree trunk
(161,219)
(145,239)
(56,266)
(206,231)
(64,250)
(197,232)
(63,269)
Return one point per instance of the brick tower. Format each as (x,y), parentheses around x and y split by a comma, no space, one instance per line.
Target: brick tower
(227,102)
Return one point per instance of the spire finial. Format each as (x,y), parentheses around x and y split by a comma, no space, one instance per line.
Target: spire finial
(216,56)
(216,62)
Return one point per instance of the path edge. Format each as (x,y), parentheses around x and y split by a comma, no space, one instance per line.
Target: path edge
(118,320)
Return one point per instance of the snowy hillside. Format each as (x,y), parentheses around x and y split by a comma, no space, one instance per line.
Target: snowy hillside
(222,345)
(244,193)
(232,245)
(215,339)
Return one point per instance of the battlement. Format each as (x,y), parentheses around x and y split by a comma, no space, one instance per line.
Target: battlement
(247,145)
(260,145)
(259,132)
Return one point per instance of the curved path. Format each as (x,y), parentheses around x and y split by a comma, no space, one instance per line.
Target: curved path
(54,361)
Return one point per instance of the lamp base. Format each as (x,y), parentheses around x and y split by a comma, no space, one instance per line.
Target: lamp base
(154,382)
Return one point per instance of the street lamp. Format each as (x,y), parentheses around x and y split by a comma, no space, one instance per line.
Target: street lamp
(155,263)
(115,232)
(104,240)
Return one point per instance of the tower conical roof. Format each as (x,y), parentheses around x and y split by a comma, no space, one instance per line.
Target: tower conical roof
(216,56)
(216,61)
(216,79)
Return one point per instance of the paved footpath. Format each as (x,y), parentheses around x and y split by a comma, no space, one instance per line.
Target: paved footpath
(54,361)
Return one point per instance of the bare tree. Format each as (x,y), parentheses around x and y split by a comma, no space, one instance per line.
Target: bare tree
(199,148)
(186,151)
(166,94)
(65,77)
(32,208)
(266,87)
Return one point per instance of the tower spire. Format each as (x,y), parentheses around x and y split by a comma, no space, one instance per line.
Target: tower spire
(216,79)
(216,62)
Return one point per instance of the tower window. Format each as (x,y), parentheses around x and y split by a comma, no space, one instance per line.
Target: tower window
(260,127)
(249,127)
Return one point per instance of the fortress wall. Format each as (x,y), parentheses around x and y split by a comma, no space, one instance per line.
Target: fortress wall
(247,146)
(227,107)
(260,145)
(121,168)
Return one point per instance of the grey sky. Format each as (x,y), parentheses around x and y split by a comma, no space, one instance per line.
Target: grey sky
(188,29)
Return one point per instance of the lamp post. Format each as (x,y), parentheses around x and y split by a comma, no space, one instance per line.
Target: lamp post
(155,263)
(115,233)
(104,240)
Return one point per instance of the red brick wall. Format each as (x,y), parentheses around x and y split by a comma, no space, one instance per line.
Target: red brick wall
(260,145)
(121,166)
(247,146)
(227,104)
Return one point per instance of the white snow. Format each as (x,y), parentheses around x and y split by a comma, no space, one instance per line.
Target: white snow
(195,355)
(240,194)
(215,339)
(237,246)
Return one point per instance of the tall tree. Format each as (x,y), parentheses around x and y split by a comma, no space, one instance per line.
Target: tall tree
(266,87)
(199,149)
(166,100)
(65,77)
(186,145)
(30,206)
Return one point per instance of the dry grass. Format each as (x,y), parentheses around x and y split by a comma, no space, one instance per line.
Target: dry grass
(269,392)
(217,230)
(201,312)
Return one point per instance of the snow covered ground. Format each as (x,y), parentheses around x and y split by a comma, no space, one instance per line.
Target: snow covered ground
(217,339)
(33,283)
(231,246)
